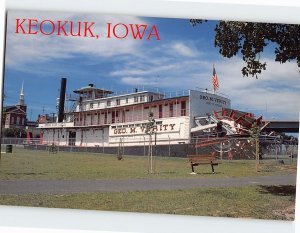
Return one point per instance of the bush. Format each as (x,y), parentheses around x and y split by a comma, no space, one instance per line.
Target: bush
(14,132)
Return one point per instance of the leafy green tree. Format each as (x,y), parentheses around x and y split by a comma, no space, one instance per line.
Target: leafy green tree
(254,132)
(250,39)
(150,124)
(289,139)
(14,132)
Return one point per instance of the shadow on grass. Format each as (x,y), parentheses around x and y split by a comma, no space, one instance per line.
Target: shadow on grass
(279,190)
(208,173)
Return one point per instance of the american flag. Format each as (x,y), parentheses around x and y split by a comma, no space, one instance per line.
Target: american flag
(215,81)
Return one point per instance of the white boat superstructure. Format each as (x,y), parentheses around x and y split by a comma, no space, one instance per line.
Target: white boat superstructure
(101,119)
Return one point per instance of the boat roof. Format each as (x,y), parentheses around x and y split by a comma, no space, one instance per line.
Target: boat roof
(90,89)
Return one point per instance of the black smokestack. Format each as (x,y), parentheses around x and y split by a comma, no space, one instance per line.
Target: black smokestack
(61,105)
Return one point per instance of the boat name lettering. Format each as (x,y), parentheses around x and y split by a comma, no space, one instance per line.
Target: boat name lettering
(213,99)
(142,129)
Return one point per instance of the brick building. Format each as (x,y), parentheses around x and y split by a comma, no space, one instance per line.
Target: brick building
(15,116)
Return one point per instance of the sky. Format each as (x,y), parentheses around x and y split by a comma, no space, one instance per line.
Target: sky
(182,59)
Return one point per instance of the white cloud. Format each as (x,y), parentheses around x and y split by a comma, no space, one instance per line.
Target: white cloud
(183,50)
(138,81)
(145,70)
(175,65)
(275,93)
(22,50)
(276,75)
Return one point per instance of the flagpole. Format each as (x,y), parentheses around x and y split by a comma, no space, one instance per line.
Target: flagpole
(213,84)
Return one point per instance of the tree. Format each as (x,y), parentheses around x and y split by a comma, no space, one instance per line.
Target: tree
(150,130)
(288,139)
(254,138)
(250,39)
(254,132)
(14,132)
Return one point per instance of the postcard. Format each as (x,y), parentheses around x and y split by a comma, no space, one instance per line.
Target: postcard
(150,115)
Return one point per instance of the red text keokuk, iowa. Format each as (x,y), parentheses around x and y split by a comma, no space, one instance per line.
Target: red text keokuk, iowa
(86,29)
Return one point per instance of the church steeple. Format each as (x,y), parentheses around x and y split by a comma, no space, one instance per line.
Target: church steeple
(21,99)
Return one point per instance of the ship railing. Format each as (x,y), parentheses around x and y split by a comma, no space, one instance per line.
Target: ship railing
(166,94)
(211,92)
(132,118)
(56,124)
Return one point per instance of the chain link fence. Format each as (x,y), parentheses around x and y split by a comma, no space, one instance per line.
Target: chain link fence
(123,147)
(244,149)
(223,148)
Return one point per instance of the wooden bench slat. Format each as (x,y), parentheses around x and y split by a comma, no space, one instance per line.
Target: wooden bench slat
(196,160)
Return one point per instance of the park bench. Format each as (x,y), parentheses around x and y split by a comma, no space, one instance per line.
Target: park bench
(196,160)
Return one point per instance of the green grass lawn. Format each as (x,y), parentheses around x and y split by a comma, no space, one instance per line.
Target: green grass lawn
(267,202)
(33,164)
(263,202)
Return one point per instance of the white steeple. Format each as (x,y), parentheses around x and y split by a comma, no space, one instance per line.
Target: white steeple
(21,99)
